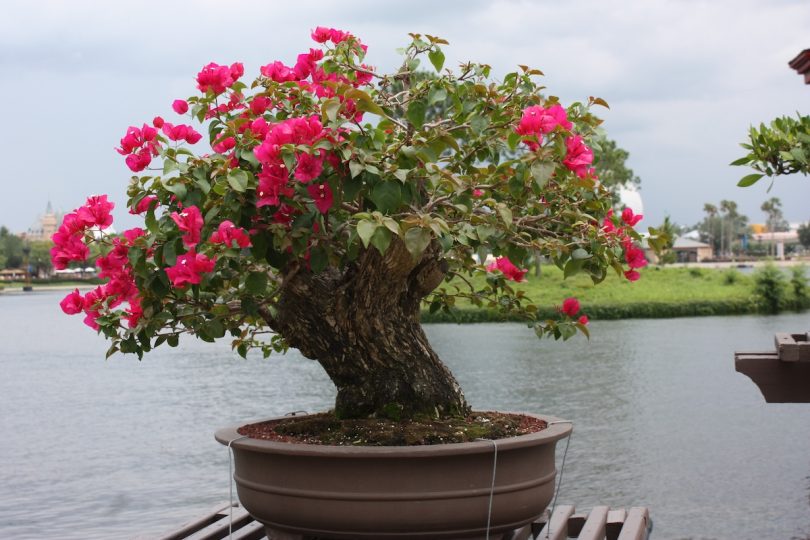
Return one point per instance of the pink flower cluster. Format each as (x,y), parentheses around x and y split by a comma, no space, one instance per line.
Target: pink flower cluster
(578,157)
(139,145)
(218,78)
(190,221)
(68,240)
(120,287)
(538,121)
(228,233)
(507,268)
(181,132)
(189,269)
(570,307)
(633,255)
(274,177)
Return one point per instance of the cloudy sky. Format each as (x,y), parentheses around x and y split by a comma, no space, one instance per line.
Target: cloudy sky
(684,78)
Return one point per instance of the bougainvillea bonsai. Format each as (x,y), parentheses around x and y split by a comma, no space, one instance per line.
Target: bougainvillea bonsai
(329,202)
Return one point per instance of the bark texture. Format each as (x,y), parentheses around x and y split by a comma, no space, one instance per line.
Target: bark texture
(362,325)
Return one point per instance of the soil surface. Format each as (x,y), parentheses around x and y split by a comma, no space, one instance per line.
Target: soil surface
(325,428)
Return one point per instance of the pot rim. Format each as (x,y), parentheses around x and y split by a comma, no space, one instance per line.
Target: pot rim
(557,429)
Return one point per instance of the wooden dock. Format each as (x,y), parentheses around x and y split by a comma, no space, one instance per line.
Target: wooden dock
(600,523)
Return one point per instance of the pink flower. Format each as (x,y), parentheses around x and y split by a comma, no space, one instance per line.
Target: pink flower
(224,145)
(189,221)
(96,212)
(537,120)
(322,196)
(138,162)
(132,234)
(632,275)
(217,78)
(278,72)
(134,313)
(181,132)
(157,122)
(570,306)
(509,270)
(634,256)
(67,249)
(180,106)
(273,181)
(583,320)
(338,36)
(189,269)
(629,218)
(309,167)
(259,105)
(578,157)
(150,201)
(478,193)
(321,34)
(227,233)
(72,303)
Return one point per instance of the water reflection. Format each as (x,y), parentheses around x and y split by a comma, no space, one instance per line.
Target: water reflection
(118,448)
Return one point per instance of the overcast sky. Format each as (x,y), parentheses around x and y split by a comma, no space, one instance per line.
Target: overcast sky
(684,79)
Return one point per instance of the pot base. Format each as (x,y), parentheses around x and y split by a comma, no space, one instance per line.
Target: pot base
(439,491)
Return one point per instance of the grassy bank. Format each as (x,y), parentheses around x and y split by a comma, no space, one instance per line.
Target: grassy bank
(661,292)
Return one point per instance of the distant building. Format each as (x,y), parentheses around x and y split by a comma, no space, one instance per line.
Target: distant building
(46,226)
(685,250)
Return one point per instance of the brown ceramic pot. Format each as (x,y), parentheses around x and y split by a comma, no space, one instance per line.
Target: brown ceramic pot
(438,491)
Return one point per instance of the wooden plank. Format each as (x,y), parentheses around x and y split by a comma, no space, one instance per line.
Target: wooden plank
(793,347)
(615,520)
(636,526)
(193,526)
(779,381)
(252,531)
(523,533)
(221,528)
(575,524)
(557,526)
(595,527)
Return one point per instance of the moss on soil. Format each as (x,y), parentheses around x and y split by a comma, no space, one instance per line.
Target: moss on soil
(326,429)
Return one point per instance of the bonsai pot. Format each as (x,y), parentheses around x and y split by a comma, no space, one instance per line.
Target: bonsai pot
(436,491)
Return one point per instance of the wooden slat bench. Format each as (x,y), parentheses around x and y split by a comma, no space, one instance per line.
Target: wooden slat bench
(601,523)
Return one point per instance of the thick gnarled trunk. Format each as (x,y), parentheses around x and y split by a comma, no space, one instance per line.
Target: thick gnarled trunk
(362,325)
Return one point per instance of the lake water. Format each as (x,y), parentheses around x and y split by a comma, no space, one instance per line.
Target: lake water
(121,448)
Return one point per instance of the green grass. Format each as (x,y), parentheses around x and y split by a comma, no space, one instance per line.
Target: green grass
(661,292)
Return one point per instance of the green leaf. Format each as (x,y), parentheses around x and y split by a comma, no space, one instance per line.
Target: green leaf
(387,196)
(573,267)
(436,95)
(329,110)
(365,230)
(479,123)
(417,240)
(506,214)
(741,161)
(214,328)
(541,172)
(381,239)
(178,188)
(151,222)
(356,168)
(580,253)
(436,57)
(364,102)
(749,180)
(256,283)
(416,113)
(238,179)
(401,174)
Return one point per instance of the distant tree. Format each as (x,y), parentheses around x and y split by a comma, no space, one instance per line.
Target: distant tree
(610,162)
(804,234)
(775,221)
(721,226)
(672,231)
(10,249)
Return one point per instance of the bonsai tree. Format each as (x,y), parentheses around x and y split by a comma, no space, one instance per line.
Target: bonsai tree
(328,202)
